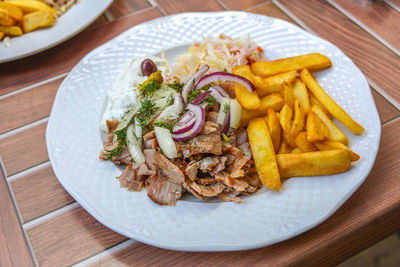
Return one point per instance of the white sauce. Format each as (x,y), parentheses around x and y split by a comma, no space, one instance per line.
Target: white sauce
(122,96)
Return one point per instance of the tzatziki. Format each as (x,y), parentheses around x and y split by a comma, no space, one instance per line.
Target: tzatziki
(123,95)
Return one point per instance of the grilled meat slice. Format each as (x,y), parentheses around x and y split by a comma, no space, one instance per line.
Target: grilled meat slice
(149,135)
(150,161)
(209,127)
(238,184)
(130,180)
(206,181)
(210,143)
(151,143)
(208,163)
(191,170)
(231,197)
(170,170)
(162,191)
(111,126)
(207,191)
(212,116)
(220,166)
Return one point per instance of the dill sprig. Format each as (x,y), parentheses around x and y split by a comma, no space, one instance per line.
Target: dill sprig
(225,108)
(121,143)
(167,125)
(176,86)
(145,111)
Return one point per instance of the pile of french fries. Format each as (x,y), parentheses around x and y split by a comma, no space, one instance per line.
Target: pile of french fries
(22,16)
(289,120)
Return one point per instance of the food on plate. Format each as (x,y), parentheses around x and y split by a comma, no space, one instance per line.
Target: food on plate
(313,163)
(312,62)
(329,104)
(23,16)
(221,122)
(263,153)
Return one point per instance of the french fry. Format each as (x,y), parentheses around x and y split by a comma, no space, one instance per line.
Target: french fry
(329,104)
(13,11)
(303,143)
(248,100)
(285,118)
(1,35)
(316,129)
(264,154)
(299,119)
(315,102)
(29,6)
(296,150)
(313,163)
(300,92)
(289,140)
(287,93)
(274,83)
(3,13)
(313,61)
(335,134)
(330,145)
(11,31)
(274,128)
(274,101)
(6,22)
(284,148)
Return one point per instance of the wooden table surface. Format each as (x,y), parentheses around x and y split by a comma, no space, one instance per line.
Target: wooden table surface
(41,224)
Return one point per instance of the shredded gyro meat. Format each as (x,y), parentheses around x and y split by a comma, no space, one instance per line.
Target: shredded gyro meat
(162,191)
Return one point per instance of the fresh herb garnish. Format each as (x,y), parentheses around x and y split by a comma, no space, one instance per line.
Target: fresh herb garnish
(152,84)
(176,86)
(193,95)
(145,111)
(210,100)
(121,143)
(225,108)
(167,125)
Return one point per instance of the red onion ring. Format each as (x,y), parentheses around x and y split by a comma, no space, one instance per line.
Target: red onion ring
(200,117)
(189,84)
(224,76)
(218,93)
(178,129)
(200,97)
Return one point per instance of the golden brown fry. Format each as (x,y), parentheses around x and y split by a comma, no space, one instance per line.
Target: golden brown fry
(1,35)
(11,31)
(248,100)
(330,145)
(316,129)
(38,19)
(263,153)
(289,140)
(297,150)
(6,22)
(285,117)
(274,83)
(303,143)
(313,163)
(315,102)
(3,13)
(335,134)
(300,92)
(313,61)
(299,119)
(13,11)
(274,101)
(329,104)
(285,148)
(29,6)
(287,93)
(274,128)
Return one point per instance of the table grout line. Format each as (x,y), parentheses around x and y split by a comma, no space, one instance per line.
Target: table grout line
(18,213)
(390,121)
(23,89)
(392,5)
(24,127)
(152,3)
(219,2)
(29,170)
(258,5)
(157,6)
(55,213)
(364,27)
(105,253)
(293,17)
(384,94)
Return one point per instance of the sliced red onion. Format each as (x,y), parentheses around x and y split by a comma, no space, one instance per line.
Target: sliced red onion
(200,97)
(224,76)
(218,93)
(183,128)
(173,111)
(200,116)
(227,122)
(186,118)
(189,84)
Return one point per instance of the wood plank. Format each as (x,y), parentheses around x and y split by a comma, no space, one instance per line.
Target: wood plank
(39,193)
(24,149)
(386,110)
(376,15)
(240,4)
(178,6)
(396,2)
(70,238)
(27,106)
(377,62)
(123,7)
(271,10)
(13,248)
(371,214)
(100,20)
(62,58)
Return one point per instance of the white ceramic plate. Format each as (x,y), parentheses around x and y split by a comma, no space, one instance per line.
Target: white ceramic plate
(81,14)
(73,142)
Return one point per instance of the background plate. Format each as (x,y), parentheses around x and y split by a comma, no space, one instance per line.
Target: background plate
(73,142)
(77,18)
